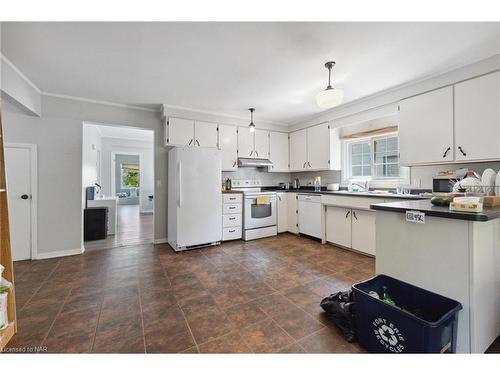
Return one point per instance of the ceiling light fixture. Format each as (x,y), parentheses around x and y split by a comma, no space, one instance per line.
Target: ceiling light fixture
(329,97)
(252,125)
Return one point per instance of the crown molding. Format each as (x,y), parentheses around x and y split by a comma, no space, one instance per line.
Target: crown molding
(219,114)
(21,74)
(93,101)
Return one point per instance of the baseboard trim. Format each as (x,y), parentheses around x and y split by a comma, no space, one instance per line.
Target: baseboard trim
(61,253)
(160,241)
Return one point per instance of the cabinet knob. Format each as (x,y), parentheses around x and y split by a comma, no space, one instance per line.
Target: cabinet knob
(354,214)
(198,142)
(347,214)
(309,164)
(462,151)
(446,152)
(304,164)
(191,141)
(234,164)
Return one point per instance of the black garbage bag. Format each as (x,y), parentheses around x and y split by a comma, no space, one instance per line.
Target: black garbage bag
(339,308)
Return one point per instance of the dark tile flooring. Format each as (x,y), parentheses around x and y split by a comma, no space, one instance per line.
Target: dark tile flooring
(241,297)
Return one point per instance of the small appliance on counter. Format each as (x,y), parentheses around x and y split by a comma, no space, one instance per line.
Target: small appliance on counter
(333,187)
(296,183)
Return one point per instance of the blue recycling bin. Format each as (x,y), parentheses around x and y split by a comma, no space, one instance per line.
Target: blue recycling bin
(422,321)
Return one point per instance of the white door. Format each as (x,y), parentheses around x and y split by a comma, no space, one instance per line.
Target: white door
(282,212)
(205,134)
(261,144)
(278,151)
(426,128)
(228,143)
(477,118)
(180,132)
(245,143)
(318,147)
(338,226)
(292,208)
(363,231)
(298,150)
(18,167)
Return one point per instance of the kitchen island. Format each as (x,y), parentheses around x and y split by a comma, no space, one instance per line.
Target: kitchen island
(455,254)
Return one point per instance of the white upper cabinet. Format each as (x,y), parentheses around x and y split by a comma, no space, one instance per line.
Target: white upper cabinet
(318,147)
(315,148)
(298,150)
(261,145)
(245,142)
(228,143)
(180,132)
(477,118)
(426,128)
(205,134)
(278,151)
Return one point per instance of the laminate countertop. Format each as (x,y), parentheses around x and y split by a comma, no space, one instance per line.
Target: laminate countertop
(425,206)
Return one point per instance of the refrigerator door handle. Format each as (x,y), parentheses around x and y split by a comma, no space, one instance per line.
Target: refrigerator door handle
(179,186)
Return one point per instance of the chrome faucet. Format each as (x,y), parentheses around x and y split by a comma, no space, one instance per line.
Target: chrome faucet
(364,186)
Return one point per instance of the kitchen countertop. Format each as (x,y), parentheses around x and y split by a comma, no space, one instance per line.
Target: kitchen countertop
(345,192)
(489,213)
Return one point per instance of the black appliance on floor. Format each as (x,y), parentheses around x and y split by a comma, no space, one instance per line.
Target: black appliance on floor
(95,221)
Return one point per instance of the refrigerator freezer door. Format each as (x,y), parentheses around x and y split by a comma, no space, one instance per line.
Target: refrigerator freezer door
(199,198)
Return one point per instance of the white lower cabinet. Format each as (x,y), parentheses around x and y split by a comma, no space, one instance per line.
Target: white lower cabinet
(282,212)
(232,216)
(363,231)
(292,209)
(338,225)
(351,228)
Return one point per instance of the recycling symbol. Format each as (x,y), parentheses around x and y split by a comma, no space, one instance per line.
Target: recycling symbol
(388,335)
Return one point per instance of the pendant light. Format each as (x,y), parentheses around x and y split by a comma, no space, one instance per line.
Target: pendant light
(329,97)
(252,125)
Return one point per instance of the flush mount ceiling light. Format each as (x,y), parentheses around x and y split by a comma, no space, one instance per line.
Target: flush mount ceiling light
(329,97)
(252,125)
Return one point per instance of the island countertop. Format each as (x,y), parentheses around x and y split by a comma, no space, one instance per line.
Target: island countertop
(425,206)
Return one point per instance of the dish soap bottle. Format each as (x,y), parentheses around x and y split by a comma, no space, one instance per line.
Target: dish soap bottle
(228,184)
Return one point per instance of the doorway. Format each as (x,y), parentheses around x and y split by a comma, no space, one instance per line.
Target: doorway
(21,176)
(118,162)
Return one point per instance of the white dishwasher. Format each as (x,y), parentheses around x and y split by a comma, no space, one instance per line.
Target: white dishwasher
(310,214)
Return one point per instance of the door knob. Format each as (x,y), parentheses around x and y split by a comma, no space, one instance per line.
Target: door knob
(25,196)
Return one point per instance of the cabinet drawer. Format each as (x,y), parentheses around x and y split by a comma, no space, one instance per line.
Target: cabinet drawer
(230,208)
(231,233)
(232,198)
(231,220)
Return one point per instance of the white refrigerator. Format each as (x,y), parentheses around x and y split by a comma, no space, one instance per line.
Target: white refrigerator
(194,197)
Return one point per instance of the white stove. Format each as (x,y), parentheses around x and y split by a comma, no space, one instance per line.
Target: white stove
(259,220)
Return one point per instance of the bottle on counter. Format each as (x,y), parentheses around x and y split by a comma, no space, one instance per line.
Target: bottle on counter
(228,184)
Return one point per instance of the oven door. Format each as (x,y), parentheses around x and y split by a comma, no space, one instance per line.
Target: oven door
(259,215)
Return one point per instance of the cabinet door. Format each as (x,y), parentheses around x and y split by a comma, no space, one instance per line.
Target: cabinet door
(318,147)
(205,134)
(298,150)
(245,143)
(477,118)
(363,231)
(426,128)
(282,213)
(338,225)
(180,132)
(261,146)
(291,201)
(228,143)
(278,151)
(310,218)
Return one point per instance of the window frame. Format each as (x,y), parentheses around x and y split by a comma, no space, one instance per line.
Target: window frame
(371,140)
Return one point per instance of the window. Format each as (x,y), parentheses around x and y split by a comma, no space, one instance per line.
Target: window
(130,176)
(386,157)
(360,156)
(375,158)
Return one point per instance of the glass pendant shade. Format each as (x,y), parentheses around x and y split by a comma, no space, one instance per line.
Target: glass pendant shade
(329,98)
(251,127)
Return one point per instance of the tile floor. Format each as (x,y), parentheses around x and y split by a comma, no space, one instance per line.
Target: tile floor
(241,297)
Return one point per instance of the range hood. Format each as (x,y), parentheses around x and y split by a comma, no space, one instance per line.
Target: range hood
(251,162)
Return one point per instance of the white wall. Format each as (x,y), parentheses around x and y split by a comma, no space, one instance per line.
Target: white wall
(91,148)
(145,150)
(58,134)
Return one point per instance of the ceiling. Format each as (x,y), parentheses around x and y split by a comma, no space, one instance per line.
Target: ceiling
(124,132)
(228,67)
